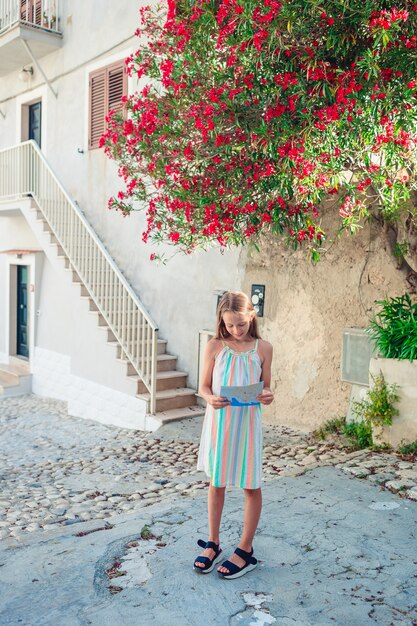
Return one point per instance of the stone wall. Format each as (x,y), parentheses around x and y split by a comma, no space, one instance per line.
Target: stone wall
(306,309)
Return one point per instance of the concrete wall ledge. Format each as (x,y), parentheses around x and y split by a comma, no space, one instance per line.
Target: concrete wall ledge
(404,374)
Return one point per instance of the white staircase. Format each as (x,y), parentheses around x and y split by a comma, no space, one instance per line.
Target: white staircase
(24,172)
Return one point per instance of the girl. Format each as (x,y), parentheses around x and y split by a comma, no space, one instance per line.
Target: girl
(231,440)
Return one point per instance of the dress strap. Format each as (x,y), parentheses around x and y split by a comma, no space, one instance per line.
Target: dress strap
(256,345)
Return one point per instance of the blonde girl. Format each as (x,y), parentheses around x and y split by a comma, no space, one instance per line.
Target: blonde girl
(231,440)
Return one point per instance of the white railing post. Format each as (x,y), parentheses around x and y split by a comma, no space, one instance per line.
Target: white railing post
(24,171)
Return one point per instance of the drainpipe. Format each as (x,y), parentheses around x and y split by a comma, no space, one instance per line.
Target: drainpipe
(36,62)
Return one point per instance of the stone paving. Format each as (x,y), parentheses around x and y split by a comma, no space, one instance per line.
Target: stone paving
(57,470)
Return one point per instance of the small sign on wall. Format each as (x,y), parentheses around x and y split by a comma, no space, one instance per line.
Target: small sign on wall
(258,299)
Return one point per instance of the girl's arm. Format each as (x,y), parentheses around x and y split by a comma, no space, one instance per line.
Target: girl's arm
(266,397)
(212,348)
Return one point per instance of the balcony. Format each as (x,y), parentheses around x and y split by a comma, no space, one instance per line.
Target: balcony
(27,26)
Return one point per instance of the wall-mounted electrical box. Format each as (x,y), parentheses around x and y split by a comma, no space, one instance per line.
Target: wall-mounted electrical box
(257,295)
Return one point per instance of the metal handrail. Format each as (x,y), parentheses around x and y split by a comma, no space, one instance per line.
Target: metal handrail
(24,171)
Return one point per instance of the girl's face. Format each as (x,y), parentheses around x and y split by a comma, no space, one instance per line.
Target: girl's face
(237,324)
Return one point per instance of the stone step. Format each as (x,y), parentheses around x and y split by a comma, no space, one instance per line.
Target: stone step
(165,362)
(7,379)
(11,372)
(164,417)
(58,249)
(172,398)
(162,344)
(101,321)
(170,379)
(13,384)
(19,365)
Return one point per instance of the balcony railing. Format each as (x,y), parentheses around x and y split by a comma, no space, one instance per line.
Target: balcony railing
(24,171)
(40,14)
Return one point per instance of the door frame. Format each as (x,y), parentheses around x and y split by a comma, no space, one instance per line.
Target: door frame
(34,263)
(23,102)
(29,107)
(22,347)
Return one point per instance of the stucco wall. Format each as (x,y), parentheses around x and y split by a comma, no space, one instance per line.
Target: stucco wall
(15,233)
(306,309)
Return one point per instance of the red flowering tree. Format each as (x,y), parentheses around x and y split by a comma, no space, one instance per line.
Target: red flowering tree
(253,112)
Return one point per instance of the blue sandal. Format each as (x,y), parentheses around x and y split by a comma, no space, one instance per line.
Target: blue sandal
(208,563)
(234,570)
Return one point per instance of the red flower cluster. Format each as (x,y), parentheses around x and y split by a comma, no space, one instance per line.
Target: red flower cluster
(385,19)
(254,111)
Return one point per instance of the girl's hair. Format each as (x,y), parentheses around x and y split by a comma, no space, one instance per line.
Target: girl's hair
(235,302)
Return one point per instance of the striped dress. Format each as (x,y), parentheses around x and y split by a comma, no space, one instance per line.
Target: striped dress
(231,440)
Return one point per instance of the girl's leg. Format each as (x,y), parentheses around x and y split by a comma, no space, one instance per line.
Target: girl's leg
(253,507)
(215,503)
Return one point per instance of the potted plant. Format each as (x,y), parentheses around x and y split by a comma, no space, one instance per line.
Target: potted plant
(393,330)
(49,20)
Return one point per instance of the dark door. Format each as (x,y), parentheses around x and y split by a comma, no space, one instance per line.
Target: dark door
(35,119)
(22,347)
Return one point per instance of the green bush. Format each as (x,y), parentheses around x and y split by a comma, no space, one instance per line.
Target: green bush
(332,426)
(359,434)
(393,329)
(378,408)
(409,448)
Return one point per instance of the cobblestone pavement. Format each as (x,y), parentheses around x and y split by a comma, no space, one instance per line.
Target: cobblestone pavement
(61,470)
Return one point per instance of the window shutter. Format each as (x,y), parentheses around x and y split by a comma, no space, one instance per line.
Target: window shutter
(107,87)
(98,107)
(37,12)
(24,9)
(116,77)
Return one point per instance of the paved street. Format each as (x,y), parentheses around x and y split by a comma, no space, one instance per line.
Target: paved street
(99,525)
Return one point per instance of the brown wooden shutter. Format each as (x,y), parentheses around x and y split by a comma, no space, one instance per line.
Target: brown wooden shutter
(107,86)
(37,13)
(116,76)
(98,107)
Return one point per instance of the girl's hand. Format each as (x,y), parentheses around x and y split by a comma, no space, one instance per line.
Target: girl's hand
(217,402)
(266,397)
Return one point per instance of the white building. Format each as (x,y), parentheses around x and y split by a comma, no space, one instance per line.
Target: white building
(80,301)
(79,298)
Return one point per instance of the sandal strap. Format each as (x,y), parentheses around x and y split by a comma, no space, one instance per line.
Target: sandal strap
(246,556)
(232,567)
(204,560)
(208,544)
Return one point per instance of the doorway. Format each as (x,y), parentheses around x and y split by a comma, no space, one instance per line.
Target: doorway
(35,122)
(22,340)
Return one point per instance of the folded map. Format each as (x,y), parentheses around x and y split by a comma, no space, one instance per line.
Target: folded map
(242,395)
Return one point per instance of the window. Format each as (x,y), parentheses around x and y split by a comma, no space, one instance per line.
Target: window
(107,86)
